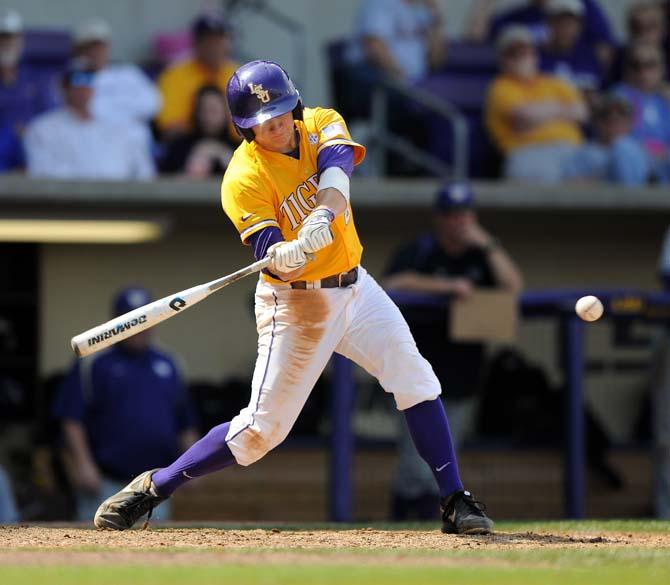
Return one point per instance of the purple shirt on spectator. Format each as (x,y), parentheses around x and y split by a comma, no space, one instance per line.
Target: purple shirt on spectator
(28,96)
(579,67)
(11,149)
(597,28)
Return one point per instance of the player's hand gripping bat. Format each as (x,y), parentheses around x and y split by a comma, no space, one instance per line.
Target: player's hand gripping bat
(149,315)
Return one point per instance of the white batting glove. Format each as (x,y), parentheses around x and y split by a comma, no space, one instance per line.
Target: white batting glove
(286,257)
(315,233)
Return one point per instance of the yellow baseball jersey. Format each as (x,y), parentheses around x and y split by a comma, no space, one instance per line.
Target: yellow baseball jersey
(262,188)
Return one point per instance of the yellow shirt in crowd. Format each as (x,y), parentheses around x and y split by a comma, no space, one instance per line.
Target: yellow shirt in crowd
(507,93)
(179,85)
(262,188)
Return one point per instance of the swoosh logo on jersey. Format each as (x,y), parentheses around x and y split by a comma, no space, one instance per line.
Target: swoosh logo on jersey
(246,217)
(186,475)
(441,468)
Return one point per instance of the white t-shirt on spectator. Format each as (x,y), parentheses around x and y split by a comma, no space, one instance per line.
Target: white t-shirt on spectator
(404,27)
(123,94)
(61,145)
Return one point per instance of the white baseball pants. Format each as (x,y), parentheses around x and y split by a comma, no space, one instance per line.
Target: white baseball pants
(298,330)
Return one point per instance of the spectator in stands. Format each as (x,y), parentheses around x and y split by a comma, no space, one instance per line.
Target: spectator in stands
(399,39)
(651,110)
(211,65)
(533,118)
(563,54)
(122,93)
(647,24)
(24,93)
(121,411)
(613,155)
(486,25)
(207,149)
(69,143)
(459,257)
(11,149)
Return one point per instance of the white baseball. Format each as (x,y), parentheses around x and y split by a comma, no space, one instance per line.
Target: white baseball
(589,308)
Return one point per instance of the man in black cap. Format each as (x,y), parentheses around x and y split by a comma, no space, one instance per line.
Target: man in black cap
(211,64)
(458,257)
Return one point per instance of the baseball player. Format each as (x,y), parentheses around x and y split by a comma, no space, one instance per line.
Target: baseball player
(286,191)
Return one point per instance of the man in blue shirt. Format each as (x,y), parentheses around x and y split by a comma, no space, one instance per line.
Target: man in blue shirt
(24,93)
(122,411)
(642,89)
(565,54)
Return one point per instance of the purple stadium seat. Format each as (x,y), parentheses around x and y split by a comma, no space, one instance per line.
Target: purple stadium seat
(466,91)
(463,57)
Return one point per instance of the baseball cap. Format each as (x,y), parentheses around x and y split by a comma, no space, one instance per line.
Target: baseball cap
(454,196)
(129,298)
(574,7)
(514,35)
(78,73)
(11,23)
(91,31)
(209,23)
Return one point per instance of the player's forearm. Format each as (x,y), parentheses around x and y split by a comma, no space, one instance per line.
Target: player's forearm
(332,199)
(77,443)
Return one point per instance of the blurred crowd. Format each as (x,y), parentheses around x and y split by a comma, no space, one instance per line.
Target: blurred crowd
(550,94)
(557,97)
(96,119)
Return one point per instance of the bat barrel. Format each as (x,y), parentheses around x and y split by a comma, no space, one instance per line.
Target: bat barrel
(138,320)
(114,331)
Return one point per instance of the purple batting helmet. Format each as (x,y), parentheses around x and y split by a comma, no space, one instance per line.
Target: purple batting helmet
(260,91)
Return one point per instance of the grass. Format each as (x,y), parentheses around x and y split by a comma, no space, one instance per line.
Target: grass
(546,566)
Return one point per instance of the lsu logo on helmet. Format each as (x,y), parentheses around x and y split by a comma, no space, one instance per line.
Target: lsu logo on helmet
(259,92)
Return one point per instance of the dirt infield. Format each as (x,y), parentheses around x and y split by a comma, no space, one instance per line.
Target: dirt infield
(35,545)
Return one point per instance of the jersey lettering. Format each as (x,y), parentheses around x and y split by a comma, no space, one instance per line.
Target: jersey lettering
(298,205)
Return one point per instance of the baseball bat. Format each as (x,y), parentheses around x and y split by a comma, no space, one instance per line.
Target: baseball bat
(142,318)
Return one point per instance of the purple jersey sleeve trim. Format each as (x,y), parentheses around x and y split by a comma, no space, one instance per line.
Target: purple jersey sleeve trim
(263,239)
(337,155)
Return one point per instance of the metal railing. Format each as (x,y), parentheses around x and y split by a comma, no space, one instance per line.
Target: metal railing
(383,140)
(294,29)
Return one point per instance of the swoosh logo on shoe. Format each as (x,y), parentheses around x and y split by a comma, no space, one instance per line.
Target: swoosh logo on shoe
(186,475)
(441,468)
